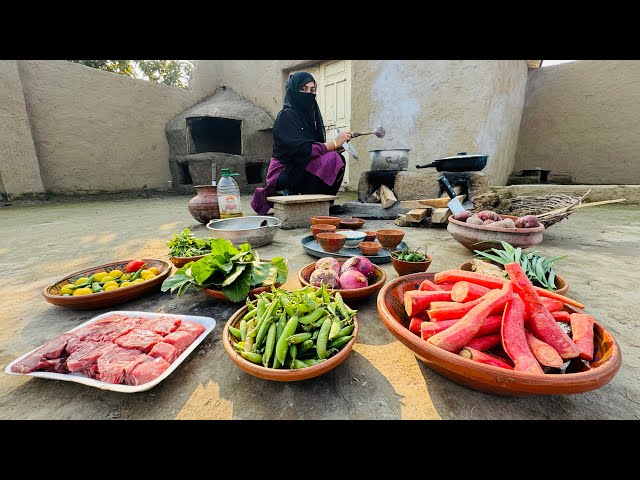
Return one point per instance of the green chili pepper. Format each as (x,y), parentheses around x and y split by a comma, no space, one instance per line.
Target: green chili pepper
(323,337)
(137,274)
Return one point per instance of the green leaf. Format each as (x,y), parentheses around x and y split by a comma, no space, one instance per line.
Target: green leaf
(222,247)
(495,258)
(282,269)
(238,291)
(260,272)
(234,275)
(175,281)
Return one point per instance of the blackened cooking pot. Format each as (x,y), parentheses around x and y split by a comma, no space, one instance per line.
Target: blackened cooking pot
(459,163)
(390,159)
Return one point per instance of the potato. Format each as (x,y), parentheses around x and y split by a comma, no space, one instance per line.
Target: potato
(462,216)
(528,221)
(506,223)
(474,220)
(488,222)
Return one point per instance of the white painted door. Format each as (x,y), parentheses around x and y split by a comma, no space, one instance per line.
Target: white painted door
(334,98)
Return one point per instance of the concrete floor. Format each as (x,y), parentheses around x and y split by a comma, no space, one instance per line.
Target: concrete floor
(381,379)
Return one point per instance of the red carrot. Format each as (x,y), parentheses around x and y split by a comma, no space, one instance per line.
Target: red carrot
(485,342)
(494,282)
(490,325)
(552,305)
(582,332)
(429,329)
(428,286)
(542,322)
(561,316)
(477,356)
(457,336)
(436,305)
(514,341)
(447,286)
(416,301)
(465,292)
(414,324)
(460,311)
(544,352)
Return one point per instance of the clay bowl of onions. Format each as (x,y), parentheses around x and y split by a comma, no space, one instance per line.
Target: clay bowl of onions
(356,278)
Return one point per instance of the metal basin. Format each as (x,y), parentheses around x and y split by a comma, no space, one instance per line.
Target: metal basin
(246,229)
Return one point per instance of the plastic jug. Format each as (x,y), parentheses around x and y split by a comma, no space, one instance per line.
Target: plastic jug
(229,195)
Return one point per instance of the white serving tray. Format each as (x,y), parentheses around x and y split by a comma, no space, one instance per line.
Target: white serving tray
(207,322)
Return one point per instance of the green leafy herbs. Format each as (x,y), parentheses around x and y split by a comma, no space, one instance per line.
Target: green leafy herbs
(233,270)
(185,244)
(540,270)
(407,255)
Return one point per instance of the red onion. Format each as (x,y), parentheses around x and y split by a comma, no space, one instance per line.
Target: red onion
(360,264)
(353,279)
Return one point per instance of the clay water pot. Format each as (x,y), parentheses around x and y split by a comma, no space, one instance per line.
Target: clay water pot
(204,206)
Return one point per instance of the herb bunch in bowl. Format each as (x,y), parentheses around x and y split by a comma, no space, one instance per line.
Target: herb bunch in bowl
(185,244)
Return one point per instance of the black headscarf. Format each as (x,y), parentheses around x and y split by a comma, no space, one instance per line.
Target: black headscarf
(298,125)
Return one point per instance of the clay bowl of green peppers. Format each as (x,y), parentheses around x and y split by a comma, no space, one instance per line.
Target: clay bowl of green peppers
(290,336)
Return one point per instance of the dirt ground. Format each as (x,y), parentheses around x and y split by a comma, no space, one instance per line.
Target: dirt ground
(381,379)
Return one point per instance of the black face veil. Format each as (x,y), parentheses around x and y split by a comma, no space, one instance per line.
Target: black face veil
(299,124)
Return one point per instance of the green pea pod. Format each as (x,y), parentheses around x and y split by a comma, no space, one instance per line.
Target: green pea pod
(339,342)
(311,317)
(252,357)
(262,321)
(306,346)
(335,327)
(235,332)
(243,329)
(282,345)
(262,334)
(281,323)
(238,346)
(310,362)
(345,331)
(340,305)
(332,308)
(299,364)
(290,309)
(325,294)
(250,315)
(262,306)
(299,338)
(318,293)
(293,352)
(314,337)
(303,308)
(323,337)
(248,344)
(270,345)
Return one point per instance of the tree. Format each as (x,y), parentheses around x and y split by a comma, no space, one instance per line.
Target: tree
(169,72)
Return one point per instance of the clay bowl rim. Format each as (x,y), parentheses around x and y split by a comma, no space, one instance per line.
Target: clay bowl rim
(466,266)
(399,265)
(488,378)
(374,245)
(352,222)
(277,374)
(342,239)
(321,226)
(346,293)
(182,261)
(325,219)
(373,236)
(488,228)
(112,297)
(390,232)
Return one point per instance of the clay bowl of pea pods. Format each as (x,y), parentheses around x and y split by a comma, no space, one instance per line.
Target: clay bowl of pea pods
(290,336)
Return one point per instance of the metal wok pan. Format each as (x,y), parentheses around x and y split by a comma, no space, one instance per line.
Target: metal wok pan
(459,163)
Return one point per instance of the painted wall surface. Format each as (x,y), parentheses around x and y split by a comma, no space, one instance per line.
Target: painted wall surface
(99,131)
(19,169)
(582,118)
(436,108)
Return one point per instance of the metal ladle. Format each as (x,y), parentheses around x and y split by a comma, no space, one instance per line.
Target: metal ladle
(378,132)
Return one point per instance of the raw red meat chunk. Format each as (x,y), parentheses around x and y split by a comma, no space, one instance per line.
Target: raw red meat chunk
(192,327)
(164,350)
(116,317)
(56,347)
(39,359)
(145,371)
(29,364)
(179,339)
(107,332)
(140,339)
(161,325)
(58,365)
(111,365)
(86,354)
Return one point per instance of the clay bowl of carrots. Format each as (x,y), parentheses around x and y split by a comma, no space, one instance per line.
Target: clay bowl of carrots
(468,370)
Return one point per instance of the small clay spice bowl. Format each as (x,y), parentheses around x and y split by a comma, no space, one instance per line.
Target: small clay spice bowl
(331,242)
(369,248)
(322,227)
(390,239)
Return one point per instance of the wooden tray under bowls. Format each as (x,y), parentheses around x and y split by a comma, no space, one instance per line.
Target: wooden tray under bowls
(562,286)
(106,299)
(277,374)
(353,294)
(487,378)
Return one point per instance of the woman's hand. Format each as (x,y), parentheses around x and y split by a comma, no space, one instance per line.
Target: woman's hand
(342,138)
